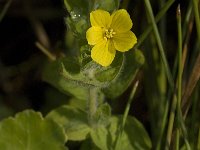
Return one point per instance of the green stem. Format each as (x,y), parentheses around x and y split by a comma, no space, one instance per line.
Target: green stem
(163,125)
(180,70)
(5,9)
(171,122)
(187,19)
(160,46)
(174,100)
(198,142)
(67,6)
(92,105)
(157,19)
(180,66)
(179,94)
(196,15)
(180,73)
(128,105)
(177,139)
(162,25)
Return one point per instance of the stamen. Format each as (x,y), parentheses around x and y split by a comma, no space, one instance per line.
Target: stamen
(109,33)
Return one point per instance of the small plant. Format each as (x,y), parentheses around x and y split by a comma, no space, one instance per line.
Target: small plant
(105,62)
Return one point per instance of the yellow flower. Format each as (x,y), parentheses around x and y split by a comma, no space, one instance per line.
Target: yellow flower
(108,34)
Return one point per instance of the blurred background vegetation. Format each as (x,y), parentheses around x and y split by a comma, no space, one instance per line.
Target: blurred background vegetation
(24,23)
(21,62)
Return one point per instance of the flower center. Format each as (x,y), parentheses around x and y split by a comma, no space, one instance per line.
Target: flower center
(109,33)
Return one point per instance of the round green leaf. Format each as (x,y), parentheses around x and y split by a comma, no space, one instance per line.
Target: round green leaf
(134,136)
(29,131)
(73,120)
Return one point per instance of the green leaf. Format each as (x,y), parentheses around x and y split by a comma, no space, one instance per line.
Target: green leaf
(78,103)
(133,138)
(100,138)
(65,75)
(29,131)
(53,74)
(103,114)
(107,74)
(132,61)
(68,77)
(73,120)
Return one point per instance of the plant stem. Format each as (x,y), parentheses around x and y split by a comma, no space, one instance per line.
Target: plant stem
(92,105)
(161,49)
(187,19)
(177,139)
(177,99)
(67,5)
(171,122)
(157,18)
(45,51)
(180,71)
(198,142)
(174,100)
(162,25)
(163,125)
(180,67)
(128,105)
(196,15)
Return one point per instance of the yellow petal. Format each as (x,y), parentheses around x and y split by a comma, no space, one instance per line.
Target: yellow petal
(94,35)
(121,21)
(103,53)
(100,18)
(124,41)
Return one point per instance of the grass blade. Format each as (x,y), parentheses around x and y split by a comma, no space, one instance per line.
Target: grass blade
(126,113)
(157,19)
(158,39)
(196,15)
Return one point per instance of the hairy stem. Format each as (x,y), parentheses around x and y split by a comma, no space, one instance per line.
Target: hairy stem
(93,102)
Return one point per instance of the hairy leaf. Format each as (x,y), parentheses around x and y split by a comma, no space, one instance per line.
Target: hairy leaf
(132,61)
(53,74)
(73,120)
(68,77)
(134,136)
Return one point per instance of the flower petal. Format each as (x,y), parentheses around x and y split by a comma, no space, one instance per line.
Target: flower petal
(124,41)
(100,18)
(94,35)
(121,21)
(103,53)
